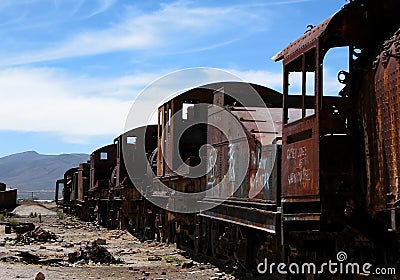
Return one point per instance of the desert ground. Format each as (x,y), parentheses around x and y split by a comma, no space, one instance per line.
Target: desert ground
(62,247)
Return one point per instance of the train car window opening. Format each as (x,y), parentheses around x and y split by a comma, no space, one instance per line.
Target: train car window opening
(165,120)
(116,142)
(308,88)
(301,87)
(103,156)
(187,111)
(159,130)
(310,84)
(294,83)
(294,89)
(169,118)
(310,93)
(131,140)
(338,61)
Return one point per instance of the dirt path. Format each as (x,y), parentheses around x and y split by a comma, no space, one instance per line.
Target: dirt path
(139,260)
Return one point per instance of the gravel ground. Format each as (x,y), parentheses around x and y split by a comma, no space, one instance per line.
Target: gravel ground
(140,260)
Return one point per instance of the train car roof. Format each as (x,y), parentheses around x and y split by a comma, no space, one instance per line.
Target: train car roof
(71,170)
(271,97)
(358,23)
(136,129)
(103,148)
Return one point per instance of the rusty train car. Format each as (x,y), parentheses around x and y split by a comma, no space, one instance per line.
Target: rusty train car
(326,175)
(8,197)
(102,190)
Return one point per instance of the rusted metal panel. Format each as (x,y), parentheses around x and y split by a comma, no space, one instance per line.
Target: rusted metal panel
(303,44)
(271,154)
(169,144)
(58,183)
(74,187)
(245,216)
(387,88)
(160,144)
(376,171)
(298,172)
(83,180)
(205,94)
(328,143)
(300,130)
(69,189)
(226,154)
(174,116)
(264,124)
(261,126)
(355,25)
(8,197)
(127,146)
(102,163)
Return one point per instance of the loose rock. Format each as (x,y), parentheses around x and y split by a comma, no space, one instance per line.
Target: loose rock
(187,264)
(101,241)
(92,252)
(40,276)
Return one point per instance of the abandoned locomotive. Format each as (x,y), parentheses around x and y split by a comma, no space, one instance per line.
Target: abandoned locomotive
(322,172)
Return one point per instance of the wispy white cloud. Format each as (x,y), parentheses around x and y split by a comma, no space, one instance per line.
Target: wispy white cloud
(76,8)
(261,77)
(103,6)
(78,108)
(42,17)
(48,100)
(174,27)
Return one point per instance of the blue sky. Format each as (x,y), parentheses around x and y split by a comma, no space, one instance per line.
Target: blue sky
(69,70)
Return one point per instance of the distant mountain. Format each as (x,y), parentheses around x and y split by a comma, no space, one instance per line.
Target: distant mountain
(30,171)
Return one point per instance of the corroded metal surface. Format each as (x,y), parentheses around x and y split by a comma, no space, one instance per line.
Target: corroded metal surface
(360,23)
(8,198)
(387,88)
(331,183)
(69,189)
(303,44)
(298,177)
(102,162)
(173,116)
(83,181)
(128,148)
(262,127)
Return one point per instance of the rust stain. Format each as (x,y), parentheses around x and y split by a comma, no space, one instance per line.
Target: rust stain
(297,174)
(387,82)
